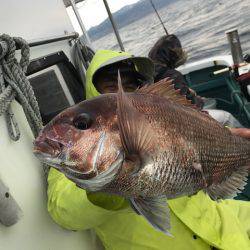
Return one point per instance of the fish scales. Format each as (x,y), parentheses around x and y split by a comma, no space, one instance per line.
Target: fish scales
(197,138)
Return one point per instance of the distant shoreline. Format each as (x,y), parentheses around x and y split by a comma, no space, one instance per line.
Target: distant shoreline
(125,16)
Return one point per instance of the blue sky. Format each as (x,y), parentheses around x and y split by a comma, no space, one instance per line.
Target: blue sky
(93,12)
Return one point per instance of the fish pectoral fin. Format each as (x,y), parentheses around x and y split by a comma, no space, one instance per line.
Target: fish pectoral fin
(165,88)
(135,132)
(155,210)
(229,188)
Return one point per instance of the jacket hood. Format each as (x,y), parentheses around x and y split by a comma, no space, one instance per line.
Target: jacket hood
(103,58)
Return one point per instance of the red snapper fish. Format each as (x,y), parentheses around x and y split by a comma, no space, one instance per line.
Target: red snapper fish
(147,146)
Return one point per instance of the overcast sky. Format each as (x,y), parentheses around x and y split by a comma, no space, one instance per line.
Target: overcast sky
(93,12)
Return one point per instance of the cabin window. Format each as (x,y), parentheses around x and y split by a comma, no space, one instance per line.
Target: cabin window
(56,84)
(51,92)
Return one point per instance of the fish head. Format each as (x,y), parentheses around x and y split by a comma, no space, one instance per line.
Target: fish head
(83,141)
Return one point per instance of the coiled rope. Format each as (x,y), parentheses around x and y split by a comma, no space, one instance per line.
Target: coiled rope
(14,84)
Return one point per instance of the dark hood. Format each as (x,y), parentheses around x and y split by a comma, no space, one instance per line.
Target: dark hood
(168,52)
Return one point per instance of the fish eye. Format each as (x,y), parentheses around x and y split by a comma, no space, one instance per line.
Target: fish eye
(82,121)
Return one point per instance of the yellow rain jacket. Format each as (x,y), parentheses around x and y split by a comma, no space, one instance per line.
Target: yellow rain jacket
(197,222)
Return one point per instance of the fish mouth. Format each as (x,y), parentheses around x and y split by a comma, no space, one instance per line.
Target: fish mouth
(47,147)
(51,152)
(48,159)
(69,169)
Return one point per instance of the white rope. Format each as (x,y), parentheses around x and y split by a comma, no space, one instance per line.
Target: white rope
(14,84)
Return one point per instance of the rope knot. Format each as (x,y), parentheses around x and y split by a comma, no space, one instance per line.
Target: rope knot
(13,82)
(8,46)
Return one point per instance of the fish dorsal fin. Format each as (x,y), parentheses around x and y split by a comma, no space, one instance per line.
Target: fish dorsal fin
(136,134)
(165,88)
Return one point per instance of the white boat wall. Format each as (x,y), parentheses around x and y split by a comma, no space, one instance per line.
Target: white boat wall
(224,60)
(20,171)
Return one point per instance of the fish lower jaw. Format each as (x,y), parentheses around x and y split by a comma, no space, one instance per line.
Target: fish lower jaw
(68,168)
(48,159)
(75,174)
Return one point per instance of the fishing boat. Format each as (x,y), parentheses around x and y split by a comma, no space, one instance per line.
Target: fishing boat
(58,60)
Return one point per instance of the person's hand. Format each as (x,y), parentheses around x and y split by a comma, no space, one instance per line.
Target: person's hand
(242,132)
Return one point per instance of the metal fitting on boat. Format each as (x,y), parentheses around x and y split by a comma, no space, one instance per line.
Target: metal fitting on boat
(10,211)
(234,41)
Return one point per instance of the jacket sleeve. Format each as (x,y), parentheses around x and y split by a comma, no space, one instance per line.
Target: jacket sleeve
(224,224)
(242,211)
(73,208)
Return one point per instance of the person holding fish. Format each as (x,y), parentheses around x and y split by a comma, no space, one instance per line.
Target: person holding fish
(143,164)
